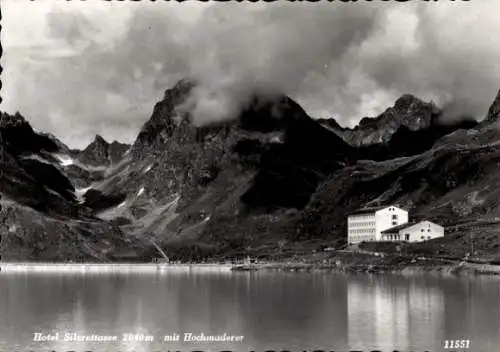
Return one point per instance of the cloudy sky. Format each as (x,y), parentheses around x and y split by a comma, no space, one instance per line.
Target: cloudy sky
(78,68)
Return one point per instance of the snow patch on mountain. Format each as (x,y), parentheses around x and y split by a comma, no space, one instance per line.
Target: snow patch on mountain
(64,160)
(141,191)
(80,192)
(37,158)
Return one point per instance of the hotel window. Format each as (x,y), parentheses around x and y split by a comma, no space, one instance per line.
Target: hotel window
(394,222)
(394,217)
(407,236)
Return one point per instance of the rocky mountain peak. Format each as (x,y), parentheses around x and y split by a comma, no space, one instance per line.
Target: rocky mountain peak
(408,112)
(179,90)
(18,136)
(99,140)
(99,145)
(262,113)
(16,120)
(101,153)
(96,153)
(162,122)
(408,101)
(494,111)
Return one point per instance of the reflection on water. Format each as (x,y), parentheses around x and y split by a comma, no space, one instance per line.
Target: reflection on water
(271,310)
(394,313)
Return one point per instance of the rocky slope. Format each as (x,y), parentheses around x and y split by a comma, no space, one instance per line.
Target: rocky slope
(40,216)
(270,179)
(454,183)
(180,180)
(87,166)
(494,111)
(255,181)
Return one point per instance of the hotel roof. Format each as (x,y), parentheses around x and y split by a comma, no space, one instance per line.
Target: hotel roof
(401,227)
(372,209)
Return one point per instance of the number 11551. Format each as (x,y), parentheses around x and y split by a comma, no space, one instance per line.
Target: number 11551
(456,344)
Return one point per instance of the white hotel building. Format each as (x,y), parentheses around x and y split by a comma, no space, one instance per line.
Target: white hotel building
(367,224)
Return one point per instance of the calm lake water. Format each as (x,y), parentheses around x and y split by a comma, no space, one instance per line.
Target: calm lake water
(273,311)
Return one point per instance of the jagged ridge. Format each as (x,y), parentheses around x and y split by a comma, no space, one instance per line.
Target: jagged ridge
(40,218)
(272,174)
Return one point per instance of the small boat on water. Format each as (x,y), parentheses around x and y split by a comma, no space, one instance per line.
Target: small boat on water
(244,267)
(248,265)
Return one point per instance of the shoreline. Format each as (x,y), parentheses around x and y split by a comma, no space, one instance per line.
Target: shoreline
(450,268)
(111,267)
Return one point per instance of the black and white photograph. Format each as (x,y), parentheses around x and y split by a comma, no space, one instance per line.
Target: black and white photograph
(250,176)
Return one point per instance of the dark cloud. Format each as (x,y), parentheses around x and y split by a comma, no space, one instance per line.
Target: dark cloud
(77,69)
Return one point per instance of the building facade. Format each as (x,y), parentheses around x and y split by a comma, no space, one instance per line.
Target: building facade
(414,232)
(367,224)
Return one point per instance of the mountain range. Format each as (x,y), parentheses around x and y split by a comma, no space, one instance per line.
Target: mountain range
(270,180)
